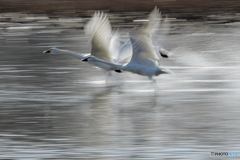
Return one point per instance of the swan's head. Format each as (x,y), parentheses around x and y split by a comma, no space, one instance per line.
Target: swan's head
(51,51)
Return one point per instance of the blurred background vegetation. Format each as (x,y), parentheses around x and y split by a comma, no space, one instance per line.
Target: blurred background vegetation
(189,9)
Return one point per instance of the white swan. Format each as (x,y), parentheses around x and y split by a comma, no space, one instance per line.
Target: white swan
(81,57)
(157,37)
(144,60)
(105,43)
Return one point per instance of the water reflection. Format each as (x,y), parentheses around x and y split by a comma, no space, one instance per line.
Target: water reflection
(58,107)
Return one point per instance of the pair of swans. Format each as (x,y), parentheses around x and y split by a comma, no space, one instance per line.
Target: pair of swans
(108,54)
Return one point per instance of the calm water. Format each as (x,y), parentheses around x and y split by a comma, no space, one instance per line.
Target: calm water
(54,106)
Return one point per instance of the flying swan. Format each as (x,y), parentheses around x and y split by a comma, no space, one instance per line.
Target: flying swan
(144,60)
(105,43)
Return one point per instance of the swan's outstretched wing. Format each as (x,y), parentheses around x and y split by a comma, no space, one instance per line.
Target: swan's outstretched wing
(156,29)
(153,23)
(120,53)
(99,30)
(125,52)
(143,50)
(114,46)
(159,36)
(141,39)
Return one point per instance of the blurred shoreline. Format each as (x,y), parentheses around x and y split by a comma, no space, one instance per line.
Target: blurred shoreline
(184,9)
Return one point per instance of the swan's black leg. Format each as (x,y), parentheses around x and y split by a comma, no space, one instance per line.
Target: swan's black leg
(153,84)
(108,76)
(110,79)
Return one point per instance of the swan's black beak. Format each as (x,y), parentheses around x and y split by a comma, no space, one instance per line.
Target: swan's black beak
(47,51)
(85,60)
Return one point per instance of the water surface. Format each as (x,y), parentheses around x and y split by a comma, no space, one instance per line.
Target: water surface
(55,106)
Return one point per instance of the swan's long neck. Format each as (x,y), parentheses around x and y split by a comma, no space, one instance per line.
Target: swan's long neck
(117,66)
(74,54)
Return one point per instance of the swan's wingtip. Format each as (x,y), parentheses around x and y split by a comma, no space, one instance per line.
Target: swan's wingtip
(163,55)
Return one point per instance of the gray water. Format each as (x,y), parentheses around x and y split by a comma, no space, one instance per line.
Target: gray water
(57,107)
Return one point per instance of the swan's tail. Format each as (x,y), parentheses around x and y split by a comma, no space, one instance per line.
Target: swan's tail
(166,71)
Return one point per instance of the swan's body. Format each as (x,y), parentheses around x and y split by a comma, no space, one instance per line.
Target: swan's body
(148,68)
(144,60)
